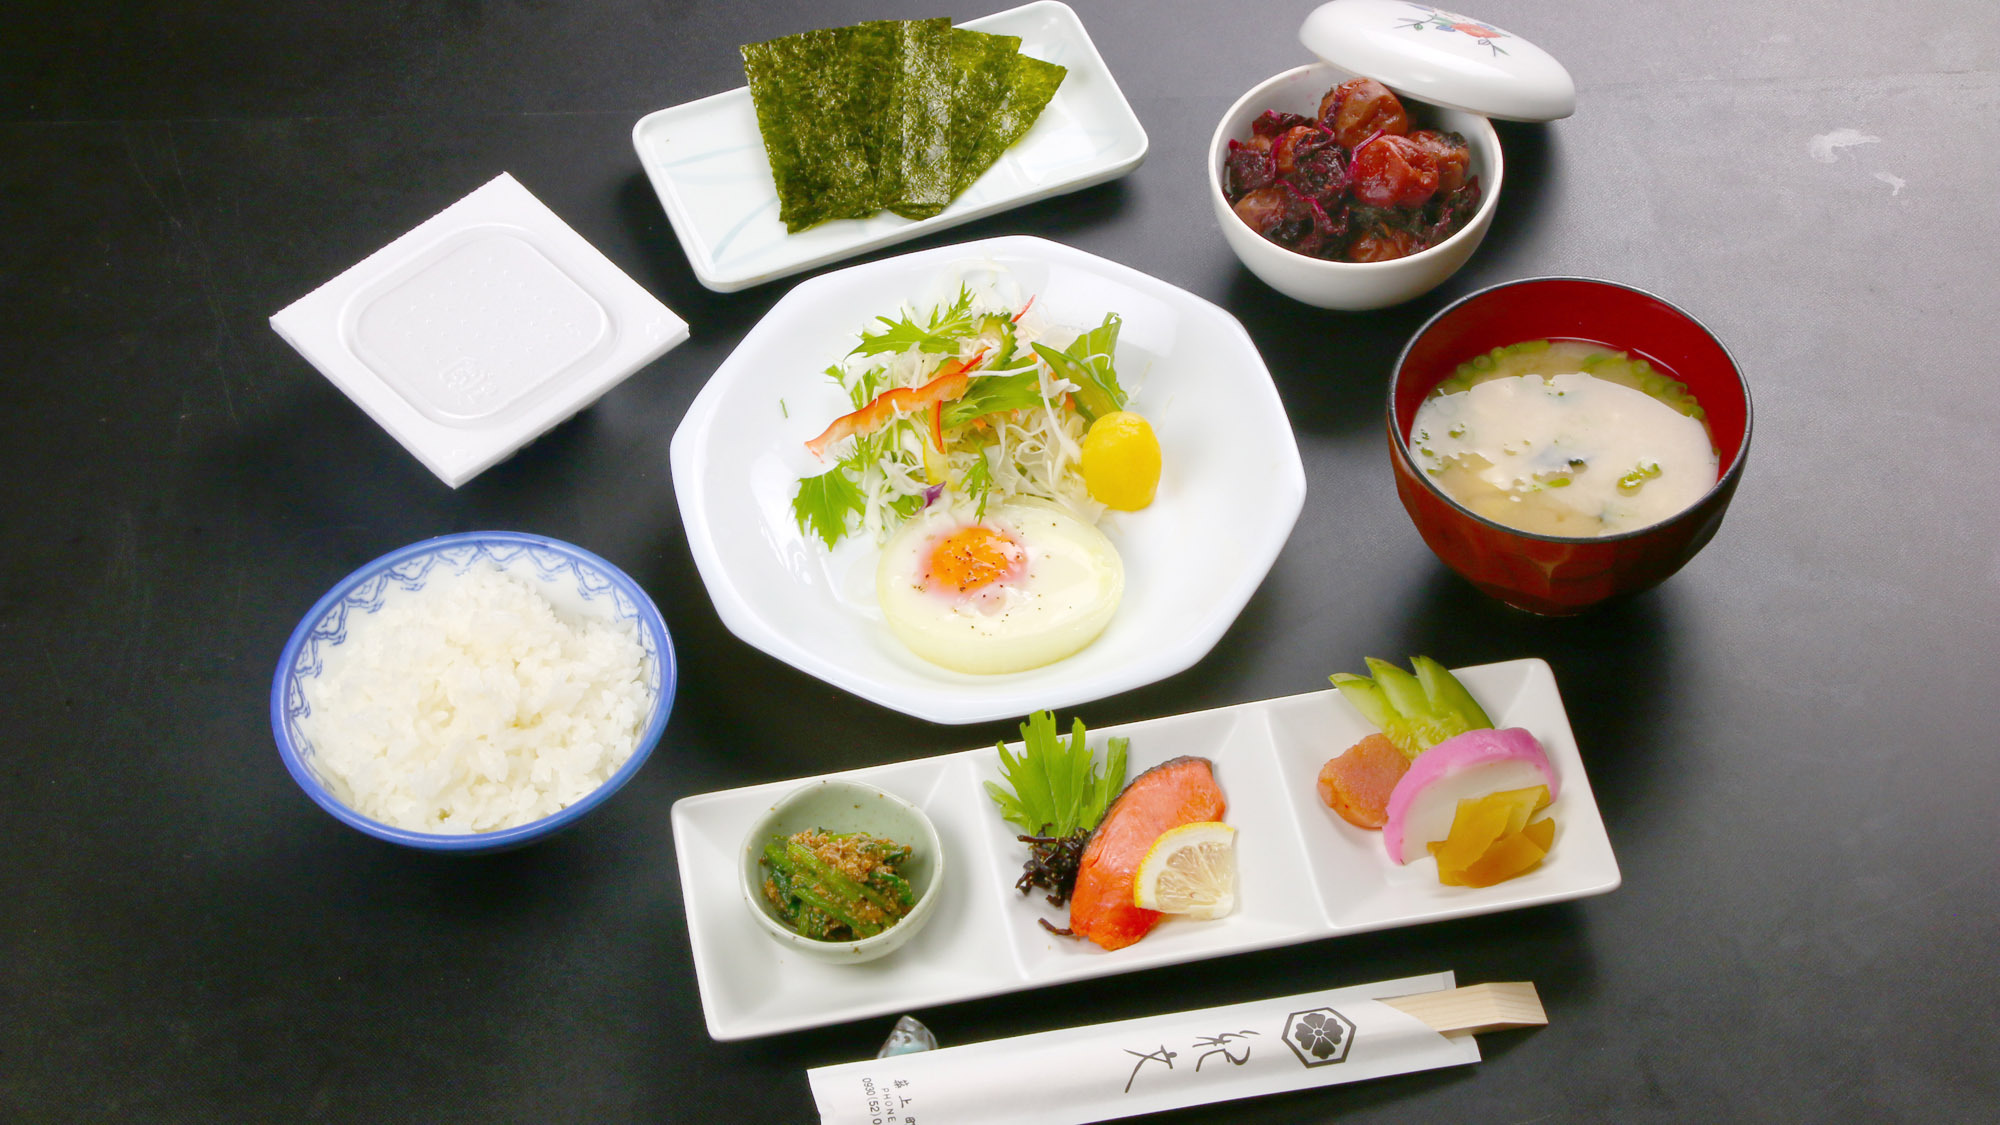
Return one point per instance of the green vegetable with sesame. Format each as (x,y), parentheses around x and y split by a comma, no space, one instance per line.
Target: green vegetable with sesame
(837,886)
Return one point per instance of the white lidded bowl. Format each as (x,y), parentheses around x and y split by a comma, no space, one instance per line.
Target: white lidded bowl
(846,806)
(1349,285)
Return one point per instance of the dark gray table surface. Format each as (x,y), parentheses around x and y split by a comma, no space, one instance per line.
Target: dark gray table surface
(1792,741)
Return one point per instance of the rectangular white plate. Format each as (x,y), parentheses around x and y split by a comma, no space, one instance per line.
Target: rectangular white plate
(706,161)
(1303,873)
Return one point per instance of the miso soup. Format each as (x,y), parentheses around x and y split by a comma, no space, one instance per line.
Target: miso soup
(1566,438)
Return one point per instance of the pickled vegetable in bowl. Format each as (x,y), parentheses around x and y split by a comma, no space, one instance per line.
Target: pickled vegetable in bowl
(840,871)
(1326,245)
(1355,183)
(837,886)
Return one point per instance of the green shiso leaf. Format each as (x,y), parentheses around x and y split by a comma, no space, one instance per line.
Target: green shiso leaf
(1056,788)
(824,502)
(1109,783)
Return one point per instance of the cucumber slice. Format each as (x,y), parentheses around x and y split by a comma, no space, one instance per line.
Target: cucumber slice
(1415,711)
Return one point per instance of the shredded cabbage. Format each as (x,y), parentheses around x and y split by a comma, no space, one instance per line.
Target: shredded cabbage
(1016,431)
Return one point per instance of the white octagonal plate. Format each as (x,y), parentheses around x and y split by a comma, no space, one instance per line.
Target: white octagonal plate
(1230,491)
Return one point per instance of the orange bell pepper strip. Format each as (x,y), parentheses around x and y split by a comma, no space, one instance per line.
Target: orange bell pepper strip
(953,377)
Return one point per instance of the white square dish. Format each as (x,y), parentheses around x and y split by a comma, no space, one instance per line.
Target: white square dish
(1230,492)
(479,330)
(706,161)
(1305,874)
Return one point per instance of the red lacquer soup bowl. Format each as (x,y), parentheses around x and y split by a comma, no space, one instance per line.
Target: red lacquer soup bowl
(1545,573)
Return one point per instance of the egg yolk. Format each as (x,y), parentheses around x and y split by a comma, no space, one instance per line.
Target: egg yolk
(973,558)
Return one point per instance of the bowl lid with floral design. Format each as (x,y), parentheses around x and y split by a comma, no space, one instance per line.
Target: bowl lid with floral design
(1441,58)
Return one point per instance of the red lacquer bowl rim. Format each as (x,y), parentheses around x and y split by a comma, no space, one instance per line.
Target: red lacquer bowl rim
(1724,481)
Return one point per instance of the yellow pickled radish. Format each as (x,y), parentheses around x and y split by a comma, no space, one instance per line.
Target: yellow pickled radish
(1491,839)
(1190,870)
(1121,461)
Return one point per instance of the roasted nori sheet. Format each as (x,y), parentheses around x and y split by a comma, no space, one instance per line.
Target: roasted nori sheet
(896,114)
(821,97)
(917,148)
(1030,84)
(985,65)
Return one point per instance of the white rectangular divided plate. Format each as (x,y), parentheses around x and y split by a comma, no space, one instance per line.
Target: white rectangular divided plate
(1303,873)
(706,160)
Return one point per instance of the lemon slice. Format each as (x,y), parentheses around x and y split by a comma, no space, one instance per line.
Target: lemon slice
(1190,871)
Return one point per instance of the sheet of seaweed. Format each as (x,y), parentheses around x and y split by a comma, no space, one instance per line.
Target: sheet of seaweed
(821,97)
(896,114)
(985,66)
(1030,84)
(918,176)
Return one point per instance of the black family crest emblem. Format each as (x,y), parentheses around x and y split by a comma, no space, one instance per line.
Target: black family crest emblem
(1319,1036)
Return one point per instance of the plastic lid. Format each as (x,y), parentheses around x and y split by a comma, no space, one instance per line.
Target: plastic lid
(474,333)
(1434,56)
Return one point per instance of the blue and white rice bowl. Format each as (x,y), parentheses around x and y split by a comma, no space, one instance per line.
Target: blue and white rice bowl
(577,583)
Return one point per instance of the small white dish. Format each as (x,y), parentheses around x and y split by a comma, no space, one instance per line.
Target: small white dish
(1352,286)
(479,330)
(1304,873)
(846,806)
(1230,492)
(1452,72)
(706,161)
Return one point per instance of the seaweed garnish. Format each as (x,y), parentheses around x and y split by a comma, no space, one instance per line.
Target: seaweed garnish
(900,115)
(984,67)
(821,97)
(917,146)
(1031,83)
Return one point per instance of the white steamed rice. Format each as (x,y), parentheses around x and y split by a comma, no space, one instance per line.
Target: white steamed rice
(472,705)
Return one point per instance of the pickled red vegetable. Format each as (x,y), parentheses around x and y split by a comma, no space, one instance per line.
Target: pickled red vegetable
(1354,183)
(1394,172)
(1360,108)
(1453,157)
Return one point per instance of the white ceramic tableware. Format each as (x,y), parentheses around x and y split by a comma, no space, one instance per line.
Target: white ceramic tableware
(479,330)
(1452,72)
(1231,489)
(706,162)
(846,806)
(1303,872)
(1348,285)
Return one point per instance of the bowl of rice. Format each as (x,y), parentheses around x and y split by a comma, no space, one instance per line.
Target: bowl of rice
(474,692)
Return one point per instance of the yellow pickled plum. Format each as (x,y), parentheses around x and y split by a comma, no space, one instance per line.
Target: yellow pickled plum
(1492,839)
(1121,461)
